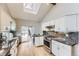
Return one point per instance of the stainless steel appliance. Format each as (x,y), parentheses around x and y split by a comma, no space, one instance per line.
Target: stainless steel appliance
(48,43)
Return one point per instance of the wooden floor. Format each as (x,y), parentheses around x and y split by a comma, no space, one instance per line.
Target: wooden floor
(27,49)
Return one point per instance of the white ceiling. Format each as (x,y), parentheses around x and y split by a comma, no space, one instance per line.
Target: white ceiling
(17,11)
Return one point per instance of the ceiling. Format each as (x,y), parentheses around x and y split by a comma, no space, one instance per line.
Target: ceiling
(17,11)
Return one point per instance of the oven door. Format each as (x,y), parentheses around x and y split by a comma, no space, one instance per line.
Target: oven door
(47,43)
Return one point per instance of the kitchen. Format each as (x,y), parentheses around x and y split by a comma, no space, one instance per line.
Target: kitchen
(53,26)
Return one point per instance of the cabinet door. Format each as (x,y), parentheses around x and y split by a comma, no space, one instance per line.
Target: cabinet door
(59,24)
(71,23)
(56,25)
(44,24)
(55,49)
(60,49)
(37,41)
(67,50)
(77,22)
(43,27)
(41,41)
(52,22)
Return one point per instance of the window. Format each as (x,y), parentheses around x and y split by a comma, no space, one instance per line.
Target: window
(31,7)
(24,30)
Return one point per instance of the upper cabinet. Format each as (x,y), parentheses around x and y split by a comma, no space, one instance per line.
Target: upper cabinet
(66,24)
(77,23)
(48,23)
(69,23)
(60,24)
(5,20)
(44,24)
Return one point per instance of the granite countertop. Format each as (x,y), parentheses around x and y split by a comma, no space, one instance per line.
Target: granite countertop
(71,43)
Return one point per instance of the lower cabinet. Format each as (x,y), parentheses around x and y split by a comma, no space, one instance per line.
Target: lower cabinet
(60,49)
(38,41)
(55,49)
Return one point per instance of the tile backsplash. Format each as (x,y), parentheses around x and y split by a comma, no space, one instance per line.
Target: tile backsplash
(74,36)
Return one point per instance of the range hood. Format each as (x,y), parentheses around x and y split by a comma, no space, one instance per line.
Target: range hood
(50,27)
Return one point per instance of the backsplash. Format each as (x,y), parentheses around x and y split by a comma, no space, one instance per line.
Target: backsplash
(78,38)
(74,36)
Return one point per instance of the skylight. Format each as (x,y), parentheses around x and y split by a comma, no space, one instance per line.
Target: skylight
(32,7)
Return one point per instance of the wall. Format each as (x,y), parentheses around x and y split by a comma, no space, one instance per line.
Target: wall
(5,18)
(60,10)
(36,26)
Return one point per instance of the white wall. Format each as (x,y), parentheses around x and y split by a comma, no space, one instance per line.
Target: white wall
(5,18)
(60,10)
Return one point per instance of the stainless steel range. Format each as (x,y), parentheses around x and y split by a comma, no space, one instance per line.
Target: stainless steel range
(48,43)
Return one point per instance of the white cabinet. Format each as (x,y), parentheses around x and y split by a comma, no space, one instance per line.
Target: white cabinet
(77,22)
(71,23)
(66,24)
(41,41)
(59,24)
(55,49)
(48,23)
(44,25)
(60,49)
(38,41)
(67,50)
